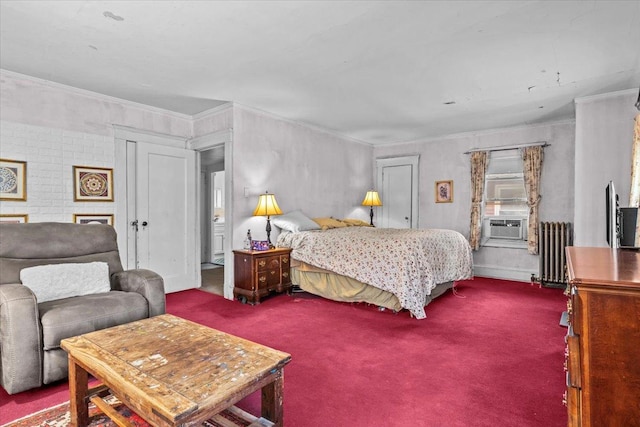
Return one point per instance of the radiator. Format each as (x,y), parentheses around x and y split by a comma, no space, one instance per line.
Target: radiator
(553,238)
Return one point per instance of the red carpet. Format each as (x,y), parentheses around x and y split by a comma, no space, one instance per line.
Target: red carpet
(492,358)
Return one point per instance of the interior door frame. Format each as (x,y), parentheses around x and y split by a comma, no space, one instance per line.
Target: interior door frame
(412,161)
(202,143)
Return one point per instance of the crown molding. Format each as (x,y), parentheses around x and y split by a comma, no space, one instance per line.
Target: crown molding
(302,124)
(591,98)
(213,111)
(94,95)
(477,133)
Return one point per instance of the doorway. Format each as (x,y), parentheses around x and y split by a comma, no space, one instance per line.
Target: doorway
(212,219)
(397,182)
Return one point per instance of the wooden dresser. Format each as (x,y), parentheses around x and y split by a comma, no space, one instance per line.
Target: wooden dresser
(257,273)
(603,338)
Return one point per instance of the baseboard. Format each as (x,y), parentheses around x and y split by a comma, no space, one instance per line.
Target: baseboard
(503,273)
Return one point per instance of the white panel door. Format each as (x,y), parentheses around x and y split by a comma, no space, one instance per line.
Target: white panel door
(166,213)
(397,181)
(396,194)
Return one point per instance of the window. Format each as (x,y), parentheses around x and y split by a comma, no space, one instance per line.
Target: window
(505,210)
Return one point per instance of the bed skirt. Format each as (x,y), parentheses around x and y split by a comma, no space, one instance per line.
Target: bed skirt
(346,289)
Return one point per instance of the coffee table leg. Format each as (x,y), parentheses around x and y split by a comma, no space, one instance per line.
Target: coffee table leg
(78,388)
(272,397)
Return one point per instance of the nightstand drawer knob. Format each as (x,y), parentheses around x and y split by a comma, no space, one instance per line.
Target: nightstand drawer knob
(285,260)
(262,279)
(262,263)
(273,272)
(285,274)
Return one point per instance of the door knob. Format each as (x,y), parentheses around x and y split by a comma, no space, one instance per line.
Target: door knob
(145,223)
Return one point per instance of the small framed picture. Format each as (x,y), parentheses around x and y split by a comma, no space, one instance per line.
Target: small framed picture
(93,219)
(444,191)
(13,180)
(14,218)
(260,245)
(92,184)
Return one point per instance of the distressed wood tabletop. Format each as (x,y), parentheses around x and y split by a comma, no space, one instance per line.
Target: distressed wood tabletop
(176,371)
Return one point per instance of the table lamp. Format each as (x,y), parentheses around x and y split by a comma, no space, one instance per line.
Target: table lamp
(267,206)
(371,199)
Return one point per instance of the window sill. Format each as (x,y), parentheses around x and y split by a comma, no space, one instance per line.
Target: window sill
(505,243)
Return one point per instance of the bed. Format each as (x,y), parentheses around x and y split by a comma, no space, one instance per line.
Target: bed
(391,268)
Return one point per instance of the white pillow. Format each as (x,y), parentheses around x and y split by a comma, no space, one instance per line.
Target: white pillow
(295,221)
(57,281)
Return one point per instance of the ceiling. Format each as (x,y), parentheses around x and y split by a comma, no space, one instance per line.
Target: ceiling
(375,71)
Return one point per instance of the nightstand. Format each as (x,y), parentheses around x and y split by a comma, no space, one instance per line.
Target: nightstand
(257,273)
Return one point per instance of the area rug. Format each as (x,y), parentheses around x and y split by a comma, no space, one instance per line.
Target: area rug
(59,416)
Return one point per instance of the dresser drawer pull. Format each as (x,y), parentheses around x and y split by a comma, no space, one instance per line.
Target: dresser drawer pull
(569,307)
(285,274)
(273,272)
(285,260)
(262,279)
(564,398)
(262,263)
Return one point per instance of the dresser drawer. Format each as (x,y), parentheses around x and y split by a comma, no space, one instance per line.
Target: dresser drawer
(268,279)
(574,378)
(268,263)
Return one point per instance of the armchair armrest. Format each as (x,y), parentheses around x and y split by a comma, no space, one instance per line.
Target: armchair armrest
(20,339)
(147,283)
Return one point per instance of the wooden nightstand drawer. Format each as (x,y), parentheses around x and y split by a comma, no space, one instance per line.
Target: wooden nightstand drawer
(257,273)
(267,263)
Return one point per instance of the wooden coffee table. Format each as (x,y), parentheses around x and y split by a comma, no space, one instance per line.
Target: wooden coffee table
(171,372)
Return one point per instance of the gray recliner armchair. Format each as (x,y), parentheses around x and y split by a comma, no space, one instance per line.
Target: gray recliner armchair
(30,332)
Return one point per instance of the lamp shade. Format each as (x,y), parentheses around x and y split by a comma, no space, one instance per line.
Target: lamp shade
(372,199)
(267,206)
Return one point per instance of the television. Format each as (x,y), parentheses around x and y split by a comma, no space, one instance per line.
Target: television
(622,223)
(611,199)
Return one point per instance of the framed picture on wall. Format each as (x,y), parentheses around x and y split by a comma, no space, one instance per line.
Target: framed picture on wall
(444,191)
(92,184)
(93,219)
(15,218)
(13,180)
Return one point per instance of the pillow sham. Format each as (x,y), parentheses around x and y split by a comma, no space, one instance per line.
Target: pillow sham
(327,223)
(56,281)
(356,222)
(295,221)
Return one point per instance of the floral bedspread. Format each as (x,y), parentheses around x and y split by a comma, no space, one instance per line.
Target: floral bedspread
(406,262)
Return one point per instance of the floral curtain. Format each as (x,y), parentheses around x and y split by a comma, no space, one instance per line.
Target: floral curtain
(634,198)
(532,157)
(478,169)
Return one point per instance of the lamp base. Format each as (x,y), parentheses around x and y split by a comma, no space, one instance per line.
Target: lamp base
(371,216)
(269,233)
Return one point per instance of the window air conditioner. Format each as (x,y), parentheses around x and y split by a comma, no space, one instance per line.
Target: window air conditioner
(513,229)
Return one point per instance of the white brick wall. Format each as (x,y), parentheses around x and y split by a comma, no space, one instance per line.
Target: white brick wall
(50,155)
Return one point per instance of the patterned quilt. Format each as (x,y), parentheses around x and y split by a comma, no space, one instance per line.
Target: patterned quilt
(409,263)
